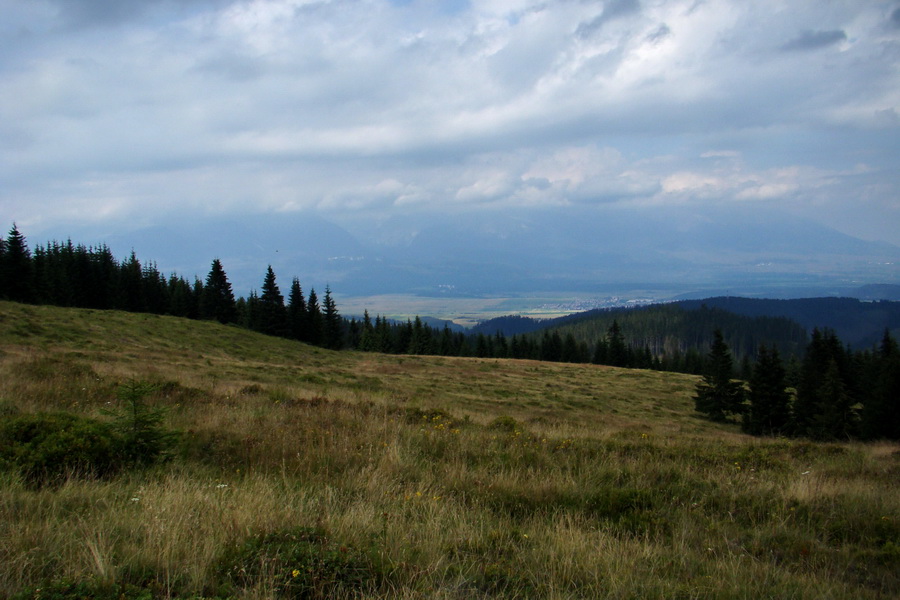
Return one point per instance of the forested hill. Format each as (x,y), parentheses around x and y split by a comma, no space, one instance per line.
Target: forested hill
(860,324)
(670,330)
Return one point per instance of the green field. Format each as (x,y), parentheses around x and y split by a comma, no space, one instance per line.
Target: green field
(305,473)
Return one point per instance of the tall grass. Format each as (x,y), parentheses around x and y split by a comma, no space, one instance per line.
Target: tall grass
(444,478)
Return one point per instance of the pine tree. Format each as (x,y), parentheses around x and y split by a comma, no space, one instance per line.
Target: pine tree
(316,323)
(334,334)
(217,301)
(570,352)
(272,312)
(298,319)
(823,349)
(131,282)
(367,334)
(769,411)
(835,418)
(16,275)
(617,354)
(420,341)
(881,409)
(718,395)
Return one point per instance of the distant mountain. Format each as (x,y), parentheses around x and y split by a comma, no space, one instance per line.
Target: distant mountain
(601,249)
(746,322)
(572,249)
(860,324)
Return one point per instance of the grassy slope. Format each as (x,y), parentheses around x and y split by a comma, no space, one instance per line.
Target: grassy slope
(604,485)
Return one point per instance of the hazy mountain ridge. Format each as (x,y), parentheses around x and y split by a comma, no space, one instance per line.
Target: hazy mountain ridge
(516,252)
(857,323)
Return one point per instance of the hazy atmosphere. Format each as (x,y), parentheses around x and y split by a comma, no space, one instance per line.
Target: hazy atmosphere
(376,127)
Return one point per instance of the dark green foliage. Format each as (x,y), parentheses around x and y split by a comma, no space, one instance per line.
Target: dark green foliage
(718,395)
(47,448)
(16,271)
(144,439)
(617,353)
(769,411)
(881,409)
(298,318)
(420,339)
(834,418)
(332,323)
(826,385)
(299,563)
(316,334)
(82,590)
(217,300)
(271,317)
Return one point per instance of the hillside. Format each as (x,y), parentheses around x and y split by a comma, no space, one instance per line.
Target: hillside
(747,323)
(363,475)
(860,324)
(668,330)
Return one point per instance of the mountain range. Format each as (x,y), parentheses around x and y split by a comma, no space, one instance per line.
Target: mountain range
(678,250)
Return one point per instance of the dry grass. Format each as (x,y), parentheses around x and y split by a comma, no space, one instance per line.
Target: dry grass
(456,478)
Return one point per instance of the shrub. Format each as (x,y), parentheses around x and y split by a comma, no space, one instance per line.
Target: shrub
(298,563)
(72,590)
(48,447)
(144,440)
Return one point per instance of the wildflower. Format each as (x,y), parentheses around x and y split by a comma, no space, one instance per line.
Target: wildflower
(805,473)
(222,486)
(135,499)
(295,573)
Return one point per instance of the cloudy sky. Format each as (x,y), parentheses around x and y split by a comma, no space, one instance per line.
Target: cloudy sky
(116,114)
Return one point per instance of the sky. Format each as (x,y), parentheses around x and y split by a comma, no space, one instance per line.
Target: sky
(118,115)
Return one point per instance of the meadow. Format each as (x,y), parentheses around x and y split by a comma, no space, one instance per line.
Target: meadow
(304,473)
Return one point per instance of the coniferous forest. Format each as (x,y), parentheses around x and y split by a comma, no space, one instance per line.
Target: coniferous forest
(782,383)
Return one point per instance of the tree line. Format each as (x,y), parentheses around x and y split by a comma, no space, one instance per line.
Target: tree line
(831,393)
(79,276)
(836,394)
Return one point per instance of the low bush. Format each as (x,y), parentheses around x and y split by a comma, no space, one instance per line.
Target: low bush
(49,447)
(299,563)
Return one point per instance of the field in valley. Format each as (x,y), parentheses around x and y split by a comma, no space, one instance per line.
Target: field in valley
(305,473)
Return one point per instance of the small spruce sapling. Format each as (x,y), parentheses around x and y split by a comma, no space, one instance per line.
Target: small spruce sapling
(144,439)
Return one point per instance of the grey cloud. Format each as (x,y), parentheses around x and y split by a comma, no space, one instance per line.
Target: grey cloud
(662,32)
(813,40)
(895,18)
(103,13)
(613,10)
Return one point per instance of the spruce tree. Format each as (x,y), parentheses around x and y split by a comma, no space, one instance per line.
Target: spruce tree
(316,323)
(367,334)
(272,312)
(420,341)
(217,300)
(881,409)
(823,349)
(617,354)
(718,395)
(333,324)
(16,275)
(835,418)
(298,319)
(769,411)
(131,283)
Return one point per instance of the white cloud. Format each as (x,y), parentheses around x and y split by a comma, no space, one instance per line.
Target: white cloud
(262,105)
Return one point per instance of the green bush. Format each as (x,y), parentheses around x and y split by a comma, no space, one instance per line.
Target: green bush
(48,447)
(299,564)
(144,440)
